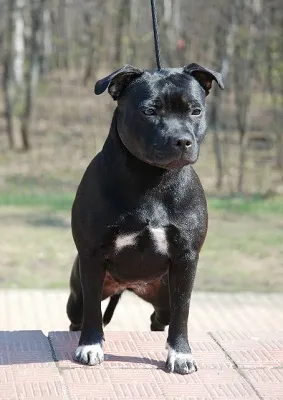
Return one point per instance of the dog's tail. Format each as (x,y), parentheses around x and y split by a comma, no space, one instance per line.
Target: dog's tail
(108,314)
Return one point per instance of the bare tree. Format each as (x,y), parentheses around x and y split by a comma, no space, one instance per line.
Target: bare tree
(273,24)
(224,39)
(91,38)
(19,42)
(123,18)
(133,34)
(46,47)
(246,16)
(36,9)
(62,39)
(8,82)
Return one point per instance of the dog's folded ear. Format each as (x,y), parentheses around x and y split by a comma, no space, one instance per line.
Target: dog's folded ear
(117,81)
(204,76)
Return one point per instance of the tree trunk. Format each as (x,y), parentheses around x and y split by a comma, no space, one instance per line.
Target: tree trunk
(7,88)
(46,43)
(214,117)
(62,52)
(90,49)
(272,49)
(242,161)
(224,37)
(279,148)
(119,35)
(134,18)
(19,42)
(244,68)
(122,19)
(216,141)
(8,74)
(166,29)
(33,70)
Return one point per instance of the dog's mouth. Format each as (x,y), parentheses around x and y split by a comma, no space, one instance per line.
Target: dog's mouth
(174,164)
(177,164)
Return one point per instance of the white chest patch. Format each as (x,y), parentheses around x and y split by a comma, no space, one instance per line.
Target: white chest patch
(160,240)
(158,236)
(126,240)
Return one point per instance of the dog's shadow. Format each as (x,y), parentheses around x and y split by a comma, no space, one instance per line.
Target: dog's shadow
(33,347)
(120,361)
(119,352)
(108,358)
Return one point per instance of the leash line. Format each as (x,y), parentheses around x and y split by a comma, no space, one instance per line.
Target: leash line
(156,36)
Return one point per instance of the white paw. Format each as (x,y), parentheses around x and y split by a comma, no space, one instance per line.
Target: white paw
(89,354)
(181,363)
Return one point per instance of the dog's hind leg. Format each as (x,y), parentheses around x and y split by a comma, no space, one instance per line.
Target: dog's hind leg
(75,301)
(108,314)
(157,294)
(161,303)
(159,319)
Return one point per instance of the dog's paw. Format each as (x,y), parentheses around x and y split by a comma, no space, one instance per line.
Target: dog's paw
(181,363)
(89,354)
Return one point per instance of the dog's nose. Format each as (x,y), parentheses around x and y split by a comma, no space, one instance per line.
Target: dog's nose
(183,143)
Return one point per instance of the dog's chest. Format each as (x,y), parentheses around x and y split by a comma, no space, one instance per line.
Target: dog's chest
(156,239)
(139,254)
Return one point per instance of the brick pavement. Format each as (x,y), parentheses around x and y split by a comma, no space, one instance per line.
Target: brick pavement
(237,341)
(232,366)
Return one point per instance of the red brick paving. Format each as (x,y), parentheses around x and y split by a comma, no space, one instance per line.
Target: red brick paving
(232,366)
(253,350)
(27,368)
(268,382)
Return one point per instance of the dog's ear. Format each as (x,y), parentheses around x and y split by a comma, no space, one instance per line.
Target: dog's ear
(204,76)
(117,81)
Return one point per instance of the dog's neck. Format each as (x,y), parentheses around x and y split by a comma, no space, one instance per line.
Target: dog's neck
(141,174)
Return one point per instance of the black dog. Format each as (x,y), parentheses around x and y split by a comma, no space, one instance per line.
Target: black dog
(140,217)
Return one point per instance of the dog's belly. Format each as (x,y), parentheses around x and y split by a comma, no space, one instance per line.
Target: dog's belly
(146,289)
(138,257)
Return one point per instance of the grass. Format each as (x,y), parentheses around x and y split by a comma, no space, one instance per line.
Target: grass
(252,205)
(243,250)
(38,250)
(28,196)
(51,201)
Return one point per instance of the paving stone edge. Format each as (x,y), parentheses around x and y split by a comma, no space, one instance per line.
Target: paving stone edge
(235,366)
(65,391)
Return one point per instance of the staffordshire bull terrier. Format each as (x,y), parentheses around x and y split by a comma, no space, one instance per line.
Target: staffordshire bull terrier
(139,218)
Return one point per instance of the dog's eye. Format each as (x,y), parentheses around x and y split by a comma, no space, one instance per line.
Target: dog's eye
(149,111)
(196,111)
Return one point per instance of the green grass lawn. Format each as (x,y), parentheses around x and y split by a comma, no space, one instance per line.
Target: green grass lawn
(243,250)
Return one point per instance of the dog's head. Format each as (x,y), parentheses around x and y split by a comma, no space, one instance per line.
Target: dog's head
(161,117)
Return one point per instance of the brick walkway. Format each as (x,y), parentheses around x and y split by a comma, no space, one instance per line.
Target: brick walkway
(241,357)
(231,366)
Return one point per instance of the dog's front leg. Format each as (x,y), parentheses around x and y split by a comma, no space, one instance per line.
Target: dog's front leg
(181,280)
(92,274)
